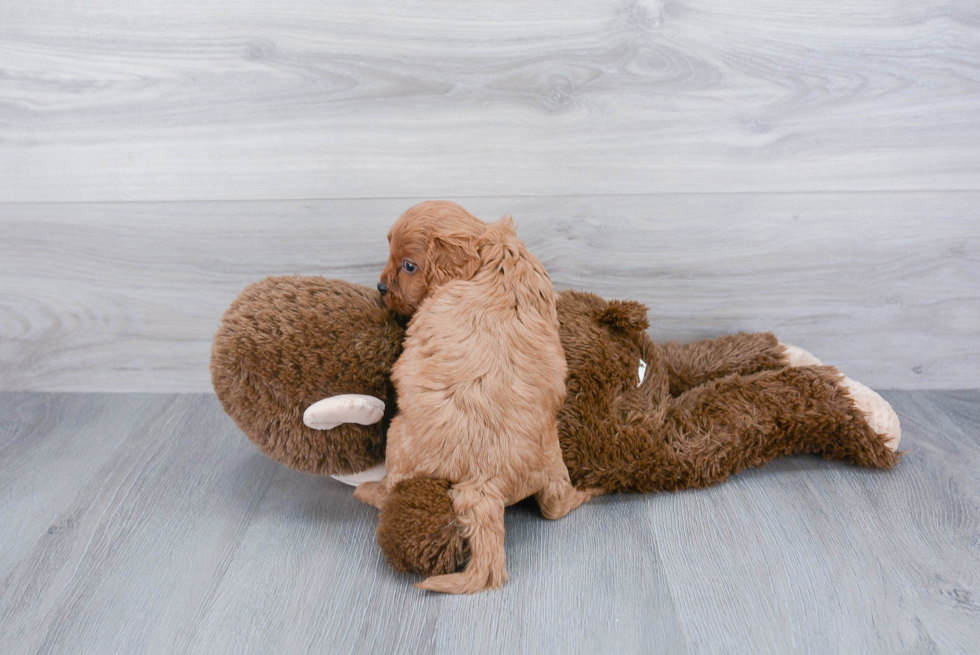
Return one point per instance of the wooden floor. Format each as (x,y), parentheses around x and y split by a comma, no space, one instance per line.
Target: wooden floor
(147,523)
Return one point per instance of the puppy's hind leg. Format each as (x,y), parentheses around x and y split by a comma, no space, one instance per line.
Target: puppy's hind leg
(559,497)
(482,520)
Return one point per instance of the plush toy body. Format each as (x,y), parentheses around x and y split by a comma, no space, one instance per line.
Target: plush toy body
(638,416)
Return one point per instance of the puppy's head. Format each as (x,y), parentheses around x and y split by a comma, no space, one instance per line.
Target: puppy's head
(432,243)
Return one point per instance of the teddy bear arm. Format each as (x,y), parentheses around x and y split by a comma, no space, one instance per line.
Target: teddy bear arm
(693,364)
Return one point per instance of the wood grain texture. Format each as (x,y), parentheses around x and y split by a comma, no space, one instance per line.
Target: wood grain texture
(126,296)
(200,99)
(50,446)
(142,542)
(892,556)
(186,539)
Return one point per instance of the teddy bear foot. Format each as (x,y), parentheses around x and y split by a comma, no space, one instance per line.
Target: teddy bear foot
(330,412)
(879,414)
(796,356)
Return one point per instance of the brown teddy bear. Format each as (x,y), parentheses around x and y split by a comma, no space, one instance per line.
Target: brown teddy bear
(638,416)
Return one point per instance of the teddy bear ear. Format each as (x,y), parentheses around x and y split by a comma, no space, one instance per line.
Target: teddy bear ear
(627,315)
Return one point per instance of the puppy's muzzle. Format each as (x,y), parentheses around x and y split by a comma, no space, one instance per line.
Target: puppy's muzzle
(383,288)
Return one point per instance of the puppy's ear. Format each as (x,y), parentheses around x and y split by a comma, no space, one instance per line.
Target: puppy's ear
(450,258)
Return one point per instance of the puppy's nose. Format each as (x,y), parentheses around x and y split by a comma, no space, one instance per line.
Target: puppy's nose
(383,288)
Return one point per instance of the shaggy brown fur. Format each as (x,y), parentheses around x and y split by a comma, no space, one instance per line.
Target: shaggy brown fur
(479,383)
(693,364)
(421,506)
(287,342)
(704,411)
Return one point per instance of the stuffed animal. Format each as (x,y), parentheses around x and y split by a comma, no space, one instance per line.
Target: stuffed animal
(301,364)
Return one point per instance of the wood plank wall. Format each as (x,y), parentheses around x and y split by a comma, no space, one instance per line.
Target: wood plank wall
(737,165)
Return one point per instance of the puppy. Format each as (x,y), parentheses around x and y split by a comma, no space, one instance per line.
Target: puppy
(479,382)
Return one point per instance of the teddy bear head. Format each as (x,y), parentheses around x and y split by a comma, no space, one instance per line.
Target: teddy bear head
(287,342)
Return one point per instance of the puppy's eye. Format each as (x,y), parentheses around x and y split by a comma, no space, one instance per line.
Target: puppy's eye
(409,266)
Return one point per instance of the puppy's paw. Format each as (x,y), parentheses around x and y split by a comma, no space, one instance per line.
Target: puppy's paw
(579,497)
(464,582)
(330,412)
(879,414)
(373,493)
(795,356)
(555,505)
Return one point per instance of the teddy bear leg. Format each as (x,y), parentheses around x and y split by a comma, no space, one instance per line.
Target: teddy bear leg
(693,364)
(740,421)
(481,518)
(877,411)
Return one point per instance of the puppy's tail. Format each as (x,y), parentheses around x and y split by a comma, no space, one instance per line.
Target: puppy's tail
(482,519)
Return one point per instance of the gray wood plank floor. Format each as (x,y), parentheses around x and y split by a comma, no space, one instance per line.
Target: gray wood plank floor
(147,523)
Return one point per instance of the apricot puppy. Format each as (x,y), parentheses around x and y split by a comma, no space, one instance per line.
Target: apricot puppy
(479,382)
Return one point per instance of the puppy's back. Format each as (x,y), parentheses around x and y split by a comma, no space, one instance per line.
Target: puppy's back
(483,361)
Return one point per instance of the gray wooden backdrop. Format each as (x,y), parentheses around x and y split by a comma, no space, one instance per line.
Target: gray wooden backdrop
(807,168)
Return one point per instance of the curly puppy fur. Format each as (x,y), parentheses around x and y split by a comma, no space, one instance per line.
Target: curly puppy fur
(480,381)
